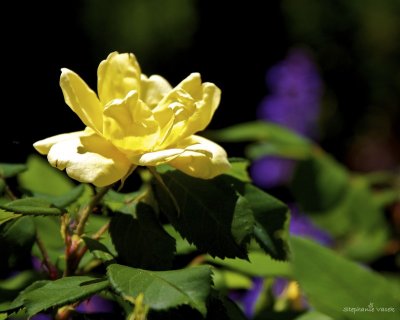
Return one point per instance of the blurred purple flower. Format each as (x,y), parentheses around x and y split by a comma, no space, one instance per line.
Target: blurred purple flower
(296,90)
(269,172)
(248,298)
(302,225)
(294,102)
(95,304)
(42,316)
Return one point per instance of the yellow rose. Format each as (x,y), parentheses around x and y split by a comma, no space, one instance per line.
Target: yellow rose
(135,121)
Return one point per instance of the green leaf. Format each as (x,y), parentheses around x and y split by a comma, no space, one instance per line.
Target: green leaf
(334,285)
(8,170)
(99,250)
(257,131)
(239,169)
(319,183)
(7,216)
(359,221)
(163,289)
(32,206)
(62,201)
(314,315)
(122,202)
(206,211)
(259,264)
(272,220)
(182,245)
(12,286)
(141,242)
(60,292)
(39,171)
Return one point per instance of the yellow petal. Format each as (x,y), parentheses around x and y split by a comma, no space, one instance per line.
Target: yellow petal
(81,99)
(153,89)
(116,76)
(157,157)
(130,125)
(193,105)
(43,146)
(90,159)
(202,158)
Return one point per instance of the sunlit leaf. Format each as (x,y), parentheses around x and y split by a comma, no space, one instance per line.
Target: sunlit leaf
(7,215)
(163,289)
(40,171)
(259,264)
(60,292)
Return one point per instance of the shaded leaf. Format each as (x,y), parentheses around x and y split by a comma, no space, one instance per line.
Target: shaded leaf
(319,183)
(163,289)
(16,237)
(206,212)
(182,245)
(142,242)
(8,170)
(60,292)
(272,220)
(334,285)
(40,170)
(32,206)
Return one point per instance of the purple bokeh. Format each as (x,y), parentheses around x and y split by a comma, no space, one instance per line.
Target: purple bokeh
(294,102)
(248,299)
(95,304)
(296,90)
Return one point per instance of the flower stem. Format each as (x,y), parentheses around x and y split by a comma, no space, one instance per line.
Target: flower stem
(46,260)
(89,208)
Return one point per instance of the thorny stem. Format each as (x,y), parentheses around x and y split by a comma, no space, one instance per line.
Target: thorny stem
(89,208)
(9,193)
(73,251)
(46,260)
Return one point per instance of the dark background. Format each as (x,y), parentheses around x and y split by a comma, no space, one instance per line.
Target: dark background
(232,44)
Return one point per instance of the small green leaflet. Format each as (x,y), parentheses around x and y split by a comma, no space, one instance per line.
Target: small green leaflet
(163,289)
(43,295)
(32,206)
(8,170)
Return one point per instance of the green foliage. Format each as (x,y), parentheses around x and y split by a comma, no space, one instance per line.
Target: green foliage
(32,206)
(221,215)
(129,233)
(319,182)
(44,295)
(8,170)
(177,246)
(334,285)
(39,171)
(163,289)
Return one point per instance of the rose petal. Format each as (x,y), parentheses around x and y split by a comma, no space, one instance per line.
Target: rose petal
(116,76)
(202,158)
(153,89)
(89,158)
(81,99)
